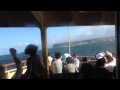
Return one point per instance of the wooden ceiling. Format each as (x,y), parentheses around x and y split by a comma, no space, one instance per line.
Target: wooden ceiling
(55,18)
(17,19)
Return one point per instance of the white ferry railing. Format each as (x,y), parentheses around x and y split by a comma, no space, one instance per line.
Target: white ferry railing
(10,72)
(24,62)
(11,64)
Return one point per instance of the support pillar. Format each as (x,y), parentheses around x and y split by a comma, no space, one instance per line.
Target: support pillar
(117,31)
(45,50)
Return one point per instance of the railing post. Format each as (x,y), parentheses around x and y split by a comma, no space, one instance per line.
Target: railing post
(5,68)
(24,64)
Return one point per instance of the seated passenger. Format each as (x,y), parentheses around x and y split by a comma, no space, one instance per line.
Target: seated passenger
(49,61)
(57,65)
(70,67)
(101,72)
(111,62)
(86,71)
(84,60)
(76,61)
(65,56)
(19,70)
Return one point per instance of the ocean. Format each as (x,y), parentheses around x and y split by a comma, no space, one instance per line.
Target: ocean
(89,49)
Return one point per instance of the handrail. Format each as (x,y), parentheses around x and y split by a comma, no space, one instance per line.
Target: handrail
(24,62)
(86,56)
(11,64)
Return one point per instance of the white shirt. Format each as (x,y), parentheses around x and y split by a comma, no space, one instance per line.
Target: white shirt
(57,66)
(50,60)
(76,62)
(71,68)
(110,66)
(114,59)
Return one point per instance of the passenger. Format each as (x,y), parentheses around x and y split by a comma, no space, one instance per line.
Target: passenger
(50,61)
(70,67)
(101,72)
(111,63)
(84,60)
(57,65)
(87,70)
(54,57)
(19,70)
(18,73)
(76,61)
(114,72)
(114,58)
(65,56)
(2,72)
(35,68)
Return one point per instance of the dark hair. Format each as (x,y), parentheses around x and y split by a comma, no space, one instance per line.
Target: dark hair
(100,62)
(69,60)
(84,59)
(31,49)
(74,55)
(57,55)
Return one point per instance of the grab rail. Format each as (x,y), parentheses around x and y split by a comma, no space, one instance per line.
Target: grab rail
(24,62)
(11,64)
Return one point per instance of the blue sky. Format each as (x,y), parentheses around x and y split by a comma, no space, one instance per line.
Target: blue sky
(19,38)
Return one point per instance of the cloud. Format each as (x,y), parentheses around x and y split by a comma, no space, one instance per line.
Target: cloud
(37,43)
(26,43)
(56,39)
(84,33)
(91,32)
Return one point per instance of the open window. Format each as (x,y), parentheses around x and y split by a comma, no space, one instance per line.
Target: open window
(83,40)
(18,38)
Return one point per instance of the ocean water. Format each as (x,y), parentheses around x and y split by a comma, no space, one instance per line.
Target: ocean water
(89,49)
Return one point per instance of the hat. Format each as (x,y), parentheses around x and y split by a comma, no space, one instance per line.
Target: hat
(99,56)
(66,55)
(109,54)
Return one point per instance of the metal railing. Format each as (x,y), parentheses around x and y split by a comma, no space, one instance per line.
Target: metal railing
(11,64)
(24,62)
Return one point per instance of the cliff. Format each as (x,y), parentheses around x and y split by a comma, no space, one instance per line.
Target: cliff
(65,44)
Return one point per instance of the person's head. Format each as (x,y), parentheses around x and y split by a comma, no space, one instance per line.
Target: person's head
(65,56)
(100,62)
(84,59)
(74,55)
(69,60)
(2,72)
(31,49)
(109,56)
(57,55)
(99,56)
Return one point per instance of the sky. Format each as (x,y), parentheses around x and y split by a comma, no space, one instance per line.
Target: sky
(19,38)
